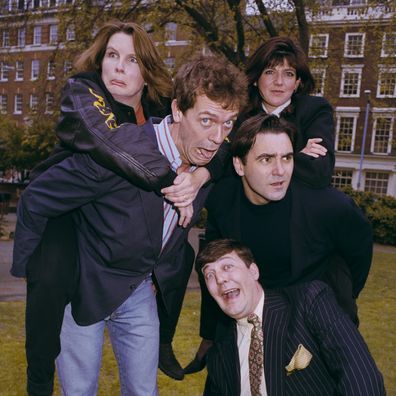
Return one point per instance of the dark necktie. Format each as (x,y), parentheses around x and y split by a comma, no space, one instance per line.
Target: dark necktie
(256,356)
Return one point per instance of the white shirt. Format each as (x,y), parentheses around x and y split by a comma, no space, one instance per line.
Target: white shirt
(244,330)
(278,110)
(168,149)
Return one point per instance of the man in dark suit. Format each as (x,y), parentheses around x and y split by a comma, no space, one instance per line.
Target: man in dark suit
(295,232)
(310,346)
(125,234)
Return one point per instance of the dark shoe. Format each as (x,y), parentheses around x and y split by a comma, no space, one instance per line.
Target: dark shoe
(195,365)
(168,363)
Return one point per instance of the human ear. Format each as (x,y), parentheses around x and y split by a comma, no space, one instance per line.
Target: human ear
(238,166)
(176,113)
(254,271)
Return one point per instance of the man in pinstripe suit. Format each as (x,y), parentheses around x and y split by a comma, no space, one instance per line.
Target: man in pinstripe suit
(311,347)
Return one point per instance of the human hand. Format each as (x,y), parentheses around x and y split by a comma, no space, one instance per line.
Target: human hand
(185,187)
(314,149)
(185,215)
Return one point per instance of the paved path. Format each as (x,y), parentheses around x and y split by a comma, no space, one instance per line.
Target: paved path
(13,289)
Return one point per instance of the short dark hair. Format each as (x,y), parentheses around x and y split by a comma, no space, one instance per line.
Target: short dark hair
(245,136)
(213,76)
(220,247)
(272,53)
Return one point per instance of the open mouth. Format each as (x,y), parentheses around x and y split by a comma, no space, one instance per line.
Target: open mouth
(206,154)
(277,184)
(230,294)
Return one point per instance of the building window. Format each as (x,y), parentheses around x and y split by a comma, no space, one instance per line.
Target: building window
(4,71)
(53,34)
(3,104)
(388,44)
(18,71)
(170,31)
(70,33)
(49,103)
(35,69)
(170,62)
(381,142)
(6,38)
(18,104)
(21,37)
(376,182)
(51,70)
(21,4)
(318,45)
(33,102)
(345,133)
(354,45)
(67,67)
(350,82)
(386,87)
(319,76)
(37,35)
(342,178)
(36,3)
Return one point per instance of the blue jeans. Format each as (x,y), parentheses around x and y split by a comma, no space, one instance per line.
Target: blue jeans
(134,334)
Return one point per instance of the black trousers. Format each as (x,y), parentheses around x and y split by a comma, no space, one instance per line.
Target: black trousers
(52,278)
(337,276)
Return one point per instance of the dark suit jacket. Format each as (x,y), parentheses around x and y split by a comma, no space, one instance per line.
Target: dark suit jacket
(119,228)
(323,222)
(306,314)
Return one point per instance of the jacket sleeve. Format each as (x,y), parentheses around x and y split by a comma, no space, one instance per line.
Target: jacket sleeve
(342,347)
(87,124)
(351,233)
(62,188)
(314,117)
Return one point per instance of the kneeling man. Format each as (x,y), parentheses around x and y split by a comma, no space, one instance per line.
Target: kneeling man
(286,342)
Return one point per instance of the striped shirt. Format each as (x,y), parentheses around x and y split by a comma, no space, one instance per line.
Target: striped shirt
(168,149)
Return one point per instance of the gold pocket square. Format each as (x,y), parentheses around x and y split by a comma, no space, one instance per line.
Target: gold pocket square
(300,360)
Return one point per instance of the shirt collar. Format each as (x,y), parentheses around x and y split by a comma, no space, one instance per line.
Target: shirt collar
(258,311)
(278,110)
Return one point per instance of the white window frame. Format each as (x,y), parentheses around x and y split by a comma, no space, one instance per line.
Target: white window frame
(385,54)
(35,69)
(67,67)
(70,33)
(19,70)
(49,103)
(320,88)
(339,174)
(350,113)
(4,71)
(51,70)
(377,173)
(21,37)
(53,34)
(325,48)
(391,70)
(33,102)
(18,105)
(346,46)
(3,103)
(37,35)
(358,69)
(376,117)
(5,38)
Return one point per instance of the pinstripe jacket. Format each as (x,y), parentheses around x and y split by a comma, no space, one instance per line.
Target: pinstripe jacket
(306,314)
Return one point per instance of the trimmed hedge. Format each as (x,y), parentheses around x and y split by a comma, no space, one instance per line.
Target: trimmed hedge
(381,211)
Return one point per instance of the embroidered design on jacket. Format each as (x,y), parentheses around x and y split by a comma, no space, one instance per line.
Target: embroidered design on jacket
(101,106)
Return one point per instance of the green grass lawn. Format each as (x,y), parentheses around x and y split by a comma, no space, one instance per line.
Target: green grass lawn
(377,315)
